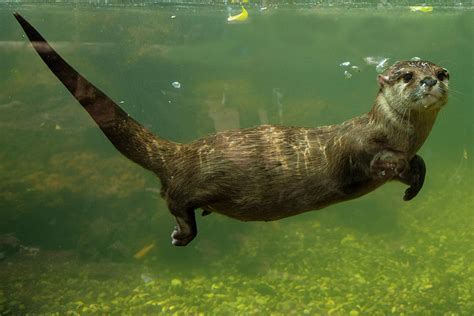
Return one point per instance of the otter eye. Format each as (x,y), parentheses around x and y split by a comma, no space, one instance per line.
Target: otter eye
(407,77)
(442,75)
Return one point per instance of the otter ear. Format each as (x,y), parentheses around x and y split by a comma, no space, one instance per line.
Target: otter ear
(382,80)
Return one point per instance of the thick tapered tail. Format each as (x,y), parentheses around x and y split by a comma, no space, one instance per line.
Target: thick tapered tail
(126,134)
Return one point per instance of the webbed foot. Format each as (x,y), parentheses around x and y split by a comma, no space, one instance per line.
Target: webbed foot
(185,231)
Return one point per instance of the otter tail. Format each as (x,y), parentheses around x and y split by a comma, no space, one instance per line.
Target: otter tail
(127,135)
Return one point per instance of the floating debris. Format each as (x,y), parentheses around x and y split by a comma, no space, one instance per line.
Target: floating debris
(345,64)
(242,16)
(57,127)
(424,9)
(416,59)
(122,102)
(176,84)
(278,97)
(173,16)
(347,74)
(460,172)
(144,251)
(263,8)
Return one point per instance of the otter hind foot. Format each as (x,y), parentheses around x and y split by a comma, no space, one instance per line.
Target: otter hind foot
(414,178)
(185,230)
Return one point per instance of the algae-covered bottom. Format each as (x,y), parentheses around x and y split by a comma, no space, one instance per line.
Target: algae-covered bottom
(322,268)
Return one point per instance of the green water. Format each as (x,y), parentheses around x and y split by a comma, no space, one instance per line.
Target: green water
(65,190)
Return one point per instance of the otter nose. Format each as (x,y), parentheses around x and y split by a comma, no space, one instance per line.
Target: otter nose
(428,81)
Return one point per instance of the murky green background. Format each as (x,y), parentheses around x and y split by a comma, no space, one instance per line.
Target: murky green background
(65,190)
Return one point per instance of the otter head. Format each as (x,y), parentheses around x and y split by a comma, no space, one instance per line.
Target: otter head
(414,85)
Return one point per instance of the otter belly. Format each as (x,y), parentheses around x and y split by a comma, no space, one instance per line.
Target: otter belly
(248,209)
(293,200)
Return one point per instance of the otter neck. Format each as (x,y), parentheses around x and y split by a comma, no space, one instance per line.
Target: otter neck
(407,129)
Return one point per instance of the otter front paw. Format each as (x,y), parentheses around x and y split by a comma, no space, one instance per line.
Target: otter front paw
(414,177)
(410,193)
(387,165)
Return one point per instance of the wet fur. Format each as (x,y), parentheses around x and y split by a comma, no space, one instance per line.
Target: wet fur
(271,172)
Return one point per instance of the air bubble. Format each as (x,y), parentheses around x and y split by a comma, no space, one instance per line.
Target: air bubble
(382,65)
(380,62)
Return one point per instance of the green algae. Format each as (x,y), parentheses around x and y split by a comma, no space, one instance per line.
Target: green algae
(427,268)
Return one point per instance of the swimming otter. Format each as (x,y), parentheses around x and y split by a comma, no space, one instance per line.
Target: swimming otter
(270,172)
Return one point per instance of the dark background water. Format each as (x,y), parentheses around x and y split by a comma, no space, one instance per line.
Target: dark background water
(63,187)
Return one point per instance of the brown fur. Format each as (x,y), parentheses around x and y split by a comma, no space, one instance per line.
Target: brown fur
(271,172)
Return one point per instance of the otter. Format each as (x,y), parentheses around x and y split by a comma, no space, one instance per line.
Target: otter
(271,172)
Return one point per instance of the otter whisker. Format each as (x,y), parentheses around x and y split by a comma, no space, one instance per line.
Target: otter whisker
(456,91)
(456,98)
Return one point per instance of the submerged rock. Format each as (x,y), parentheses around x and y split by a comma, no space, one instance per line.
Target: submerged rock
(30,251)
(9,245)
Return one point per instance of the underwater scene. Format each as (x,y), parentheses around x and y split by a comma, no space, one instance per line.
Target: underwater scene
(84,230)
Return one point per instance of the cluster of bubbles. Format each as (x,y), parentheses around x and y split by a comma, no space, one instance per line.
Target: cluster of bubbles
(380,63)
(350,67)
